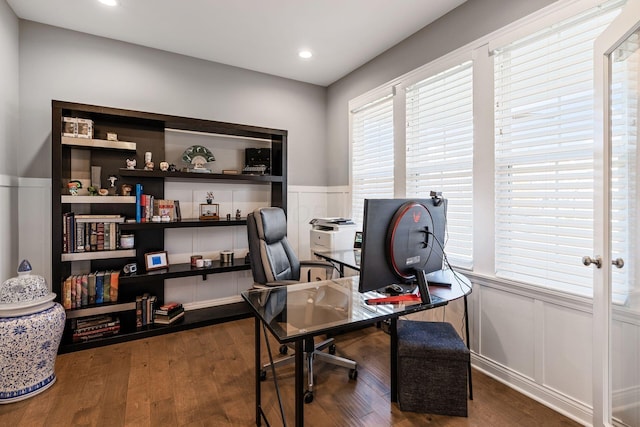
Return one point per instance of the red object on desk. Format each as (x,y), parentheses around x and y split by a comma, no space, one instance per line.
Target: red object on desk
(394,299)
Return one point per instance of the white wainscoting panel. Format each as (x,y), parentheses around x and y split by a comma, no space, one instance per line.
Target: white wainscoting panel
(507,330)
(9,246)
(306,203)
(535,341)
(625,330)
(566,349)
(35,225)
(293,221)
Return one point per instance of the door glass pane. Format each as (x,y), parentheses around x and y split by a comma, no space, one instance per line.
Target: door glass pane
(625,235)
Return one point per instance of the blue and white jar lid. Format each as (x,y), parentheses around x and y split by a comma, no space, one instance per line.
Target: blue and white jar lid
(24,290)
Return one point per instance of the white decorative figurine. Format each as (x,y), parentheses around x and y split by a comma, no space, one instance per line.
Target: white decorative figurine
(148,164)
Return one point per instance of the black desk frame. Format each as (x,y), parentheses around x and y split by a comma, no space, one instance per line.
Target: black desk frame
(300,339)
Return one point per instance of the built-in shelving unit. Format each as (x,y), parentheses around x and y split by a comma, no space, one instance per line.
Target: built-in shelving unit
(139,132)
(87,256)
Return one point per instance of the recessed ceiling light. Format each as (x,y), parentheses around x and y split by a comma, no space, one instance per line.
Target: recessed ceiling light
(305,54)
(109,2)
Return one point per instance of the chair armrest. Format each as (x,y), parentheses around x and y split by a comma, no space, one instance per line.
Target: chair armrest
(316,263)
(310,264)
(275,283)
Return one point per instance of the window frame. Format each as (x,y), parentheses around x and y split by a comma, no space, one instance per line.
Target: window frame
(484,163)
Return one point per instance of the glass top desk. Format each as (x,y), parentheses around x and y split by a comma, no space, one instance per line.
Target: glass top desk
(296,313)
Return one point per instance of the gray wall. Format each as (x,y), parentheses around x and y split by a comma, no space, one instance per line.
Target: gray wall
(9,133)
(9,46)
(468,22)
(71,66)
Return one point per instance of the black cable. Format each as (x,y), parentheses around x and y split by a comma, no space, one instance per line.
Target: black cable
(459,280)
(448,264)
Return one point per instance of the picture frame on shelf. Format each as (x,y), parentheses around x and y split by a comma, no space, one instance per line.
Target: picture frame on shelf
(209,211)
(156,260)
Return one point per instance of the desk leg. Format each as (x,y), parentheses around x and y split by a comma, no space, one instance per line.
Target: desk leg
(258,368)
(299,387)
(394,359)
(466,318)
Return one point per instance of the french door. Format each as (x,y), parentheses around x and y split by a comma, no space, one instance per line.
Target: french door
(616,339)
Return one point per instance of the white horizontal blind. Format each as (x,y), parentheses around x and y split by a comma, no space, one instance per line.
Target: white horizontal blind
(544,153)
(372,154)
(625,89)
(439,151)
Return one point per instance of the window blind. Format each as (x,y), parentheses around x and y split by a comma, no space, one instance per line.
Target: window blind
(544,103)
(625,87)
(439,151)
(371,154)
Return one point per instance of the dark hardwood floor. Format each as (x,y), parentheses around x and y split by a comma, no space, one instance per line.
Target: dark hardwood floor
(204,377)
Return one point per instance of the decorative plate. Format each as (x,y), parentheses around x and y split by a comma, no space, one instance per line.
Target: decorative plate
(197,155)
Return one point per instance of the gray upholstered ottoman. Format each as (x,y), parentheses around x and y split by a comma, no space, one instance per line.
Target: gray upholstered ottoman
(432,368)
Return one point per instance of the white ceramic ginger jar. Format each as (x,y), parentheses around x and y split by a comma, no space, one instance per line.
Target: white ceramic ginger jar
(31,326)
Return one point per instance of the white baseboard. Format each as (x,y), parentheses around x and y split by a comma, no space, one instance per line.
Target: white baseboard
(559,402)
(195,305)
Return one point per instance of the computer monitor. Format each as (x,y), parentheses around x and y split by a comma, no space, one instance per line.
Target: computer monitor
(403,241)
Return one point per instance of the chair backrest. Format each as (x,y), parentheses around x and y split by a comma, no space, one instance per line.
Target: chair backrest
(271,256)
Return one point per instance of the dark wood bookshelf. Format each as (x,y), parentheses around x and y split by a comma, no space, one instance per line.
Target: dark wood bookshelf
(139,132)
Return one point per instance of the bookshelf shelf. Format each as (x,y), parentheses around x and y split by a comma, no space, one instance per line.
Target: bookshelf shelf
(98,143)
(192,319)
(142,132)
(95,309)
(186,270)
(200,176)
(84,256)
(183,223)
(97,199)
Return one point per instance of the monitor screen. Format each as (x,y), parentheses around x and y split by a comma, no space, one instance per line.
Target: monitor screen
(403,240)
(357,240)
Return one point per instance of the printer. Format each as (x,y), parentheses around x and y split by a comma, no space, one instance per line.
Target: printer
(332,234)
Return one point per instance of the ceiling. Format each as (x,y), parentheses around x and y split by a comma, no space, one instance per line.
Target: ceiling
(259,35)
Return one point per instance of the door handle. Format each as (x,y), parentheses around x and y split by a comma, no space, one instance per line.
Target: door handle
(618,262)
(587,260)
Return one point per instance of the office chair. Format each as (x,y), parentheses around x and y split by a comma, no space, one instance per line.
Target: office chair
(273,263)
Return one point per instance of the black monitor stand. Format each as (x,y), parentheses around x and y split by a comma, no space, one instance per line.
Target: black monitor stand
(423,286)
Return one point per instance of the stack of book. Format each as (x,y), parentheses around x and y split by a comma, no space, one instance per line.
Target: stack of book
(147,206)
(81,290)
(145,306)
(89,233)
(168,313)
(100,326)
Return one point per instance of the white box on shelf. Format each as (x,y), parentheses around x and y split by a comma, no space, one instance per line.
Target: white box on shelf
(85,128)
(69,126)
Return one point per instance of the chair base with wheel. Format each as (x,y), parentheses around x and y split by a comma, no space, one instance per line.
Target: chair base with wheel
(313,351)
